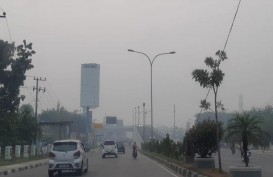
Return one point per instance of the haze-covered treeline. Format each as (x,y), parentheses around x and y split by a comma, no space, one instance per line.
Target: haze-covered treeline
(58,115)
(266,114)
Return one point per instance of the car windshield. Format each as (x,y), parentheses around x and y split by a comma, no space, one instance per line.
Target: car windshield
(119,144)
(109,143)
(65,146)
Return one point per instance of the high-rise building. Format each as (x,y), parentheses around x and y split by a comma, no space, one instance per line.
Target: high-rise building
(90,85)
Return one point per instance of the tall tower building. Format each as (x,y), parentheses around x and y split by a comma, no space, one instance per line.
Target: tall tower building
(90,86)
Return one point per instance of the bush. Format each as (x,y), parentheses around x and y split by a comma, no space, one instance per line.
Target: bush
(166,147)
(187,146)
(203,136)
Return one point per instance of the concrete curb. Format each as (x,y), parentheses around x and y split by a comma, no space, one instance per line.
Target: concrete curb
(21,167)
(181,171)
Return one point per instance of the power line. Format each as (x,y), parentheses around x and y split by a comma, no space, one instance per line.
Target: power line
(232,24)
(4,16)
(224,46)
(8,29)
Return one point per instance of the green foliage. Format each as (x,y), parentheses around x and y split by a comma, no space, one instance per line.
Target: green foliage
(211,78)
(8,127)
(14,62)
(28,129)
(203,137)
(187,145)
(267,125)
(167,148)
(248,129)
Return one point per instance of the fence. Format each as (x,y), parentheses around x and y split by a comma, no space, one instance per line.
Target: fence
(23,151)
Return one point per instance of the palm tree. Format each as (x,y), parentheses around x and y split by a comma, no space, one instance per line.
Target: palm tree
(247,128)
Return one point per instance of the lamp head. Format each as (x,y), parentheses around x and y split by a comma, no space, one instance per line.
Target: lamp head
(173,52)
(130,50)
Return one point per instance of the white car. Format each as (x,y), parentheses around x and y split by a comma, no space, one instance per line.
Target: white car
(109,148)
(67,155)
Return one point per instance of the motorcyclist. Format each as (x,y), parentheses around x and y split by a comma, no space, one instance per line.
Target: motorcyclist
(248,154)
(134,150)
(134,146)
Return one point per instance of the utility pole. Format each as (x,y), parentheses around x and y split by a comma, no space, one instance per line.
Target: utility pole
(138,117)
(143,124)
(37,88)
(174,122)
(135,117)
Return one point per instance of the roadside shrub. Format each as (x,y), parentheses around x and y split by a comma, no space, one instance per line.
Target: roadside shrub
(203,136)
(165,147)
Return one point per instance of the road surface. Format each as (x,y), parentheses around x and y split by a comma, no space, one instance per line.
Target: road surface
(123,166)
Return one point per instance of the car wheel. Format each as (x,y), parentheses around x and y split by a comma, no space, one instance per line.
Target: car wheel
(80,171)
(86,170)
(116,156)
(50,173)
(59,173)
(103,156)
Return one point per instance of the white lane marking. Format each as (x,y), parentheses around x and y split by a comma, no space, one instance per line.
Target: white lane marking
(164,168)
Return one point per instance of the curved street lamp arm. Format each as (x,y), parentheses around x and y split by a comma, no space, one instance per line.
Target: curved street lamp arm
(130,50)
(161,54)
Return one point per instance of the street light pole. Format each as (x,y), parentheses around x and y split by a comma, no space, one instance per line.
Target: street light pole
(143,124)
(151,64)
(138,117)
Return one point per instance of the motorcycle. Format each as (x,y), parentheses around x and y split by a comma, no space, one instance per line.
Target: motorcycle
(248,154)
(233,150)
(134,154)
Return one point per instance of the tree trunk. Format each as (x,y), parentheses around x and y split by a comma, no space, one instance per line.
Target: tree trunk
(245,148)
(217,130)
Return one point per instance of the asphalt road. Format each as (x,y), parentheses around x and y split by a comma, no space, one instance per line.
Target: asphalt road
(257,158)
(123,166)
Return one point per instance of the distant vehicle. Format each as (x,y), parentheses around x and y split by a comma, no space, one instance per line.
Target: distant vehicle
(109,148)
(67,155)
(121,147)
(134,154)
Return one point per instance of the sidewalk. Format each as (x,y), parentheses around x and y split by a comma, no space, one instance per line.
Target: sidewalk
(5,170)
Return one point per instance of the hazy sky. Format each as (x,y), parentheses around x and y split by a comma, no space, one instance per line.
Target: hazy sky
(68,33)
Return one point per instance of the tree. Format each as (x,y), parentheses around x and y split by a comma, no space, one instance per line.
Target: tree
(167,146)
(28,129)
(212,79)
(187,147)
(247,127)
(14,62)
(267,114)
(12,73)
(8,128)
